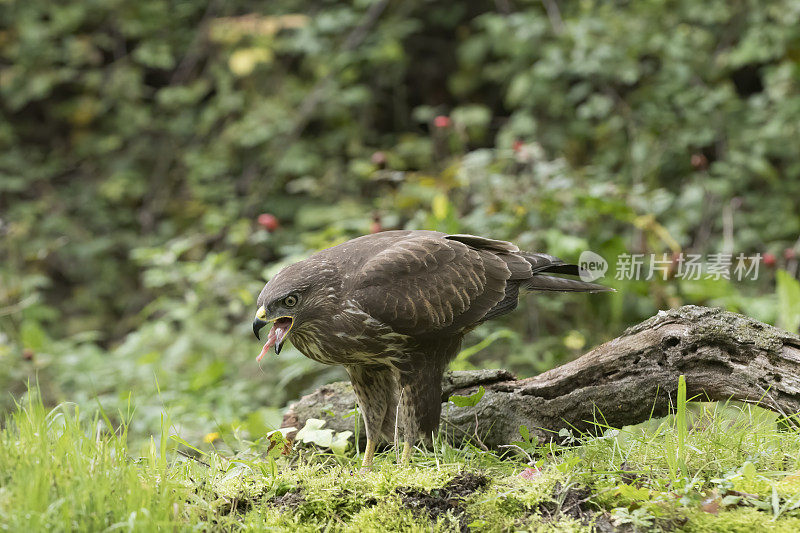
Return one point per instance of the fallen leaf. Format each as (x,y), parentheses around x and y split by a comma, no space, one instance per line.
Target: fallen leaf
(530,473)
(712,503)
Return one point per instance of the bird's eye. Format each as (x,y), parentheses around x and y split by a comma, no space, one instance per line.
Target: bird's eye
(290,301)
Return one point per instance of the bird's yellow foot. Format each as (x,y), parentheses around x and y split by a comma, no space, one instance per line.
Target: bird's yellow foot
(406,457)
(369,456)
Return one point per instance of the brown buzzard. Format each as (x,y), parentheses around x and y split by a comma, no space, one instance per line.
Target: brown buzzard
(392,308)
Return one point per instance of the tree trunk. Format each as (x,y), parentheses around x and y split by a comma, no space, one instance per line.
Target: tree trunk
(723,355)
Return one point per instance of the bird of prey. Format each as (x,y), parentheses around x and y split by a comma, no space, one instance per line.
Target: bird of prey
(393,307)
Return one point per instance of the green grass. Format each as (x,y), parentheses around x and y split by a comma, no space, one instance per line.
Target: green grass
(61,472)
(710,467)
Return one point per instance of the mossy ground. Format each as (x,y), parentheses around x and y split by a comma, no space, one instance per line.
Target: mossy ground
(735,470)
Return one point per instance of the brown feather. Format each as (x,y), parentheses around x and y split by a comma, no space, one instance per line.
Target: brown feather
(453,285)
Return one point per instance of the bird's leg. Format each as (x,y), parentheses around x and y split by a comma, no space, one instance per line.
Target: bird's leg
(373,386)
(408,447)
(420,401)
(369,454)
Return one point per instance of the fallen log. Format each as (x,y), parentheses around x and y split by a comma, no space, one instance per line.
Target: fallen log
(723,355)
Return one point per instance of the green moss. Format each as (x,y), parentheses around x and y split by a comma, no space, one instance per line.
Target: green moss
(390,515)
(740,330)
(531,523)
(338,498)
(240,485)
(739,520)
(512,495)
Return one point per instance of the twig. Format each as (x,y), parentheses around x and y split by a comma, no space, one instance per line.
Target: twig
(531,462)
(477,437)
(17,307)
(793,264)
(776,406)
(396,426)
(193,458)
(554,15)
(727,224)
(193,55)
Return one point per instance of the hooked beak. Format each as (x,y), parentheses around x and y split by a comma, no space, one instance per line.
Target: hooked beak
(259,321)
(257,325)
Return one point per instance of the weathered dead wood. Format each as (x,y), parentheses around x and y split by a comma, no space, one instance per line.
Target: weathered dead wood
(624,381)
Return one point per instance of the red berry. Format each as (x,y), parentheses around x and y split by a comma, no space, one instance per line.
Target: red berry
(789,253)
(517,146)
(699,161)
(268,221)
(769,259)
(442,121)
(376,226)
(378,158)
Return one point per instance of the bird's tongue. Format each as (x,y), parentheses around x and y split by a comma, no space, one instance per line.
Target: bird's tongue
(276,335)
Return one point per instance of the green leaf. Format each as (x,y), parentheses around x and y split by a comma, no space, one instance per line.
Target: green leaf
(340,442)
(277,440)
(33,335)
(631,492)
(776,503)
(312,432)
(528,442)
(468,401)
(180,440)
(748,471)
(466,353)
(788,289)
(730,500)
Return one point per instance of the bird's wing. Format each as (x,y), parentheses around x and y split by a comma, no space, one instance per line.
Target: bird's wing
(424,284)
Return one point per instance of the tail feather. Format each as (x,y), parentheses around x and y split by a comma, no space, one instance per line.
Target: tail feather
(553,283)
(540,262)
(542,282)
(564,268)
(551,264)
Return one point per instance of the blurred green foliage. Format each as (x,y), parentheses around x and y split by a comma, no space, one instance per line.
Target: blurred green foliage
(140,141)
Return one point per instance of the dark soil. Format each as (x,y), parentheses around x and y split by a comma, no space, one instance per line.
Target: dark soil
(573,501)
(236,505)
(630,476)
(465,484)
(449,498)
(289,501)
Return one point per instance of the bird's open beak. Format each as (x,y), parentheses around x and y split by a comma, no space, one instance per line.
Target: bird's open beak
(277,334)
(259,321)
(281,329)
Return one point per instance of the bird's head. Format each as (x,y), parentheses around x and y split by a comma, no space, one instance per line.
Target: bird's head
(295,298)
